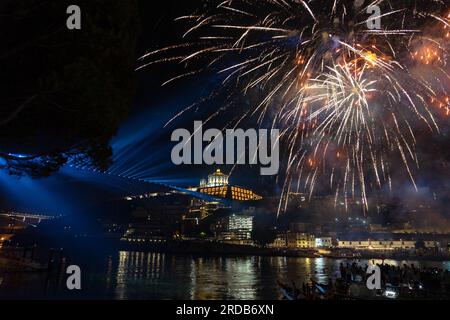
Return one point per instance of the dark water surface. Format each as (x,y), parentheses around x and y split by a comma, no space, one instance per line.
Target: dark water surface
(138,275)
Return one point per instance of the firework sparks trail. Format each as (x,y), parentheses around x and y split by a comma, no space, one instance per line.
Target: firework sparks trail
(345,97)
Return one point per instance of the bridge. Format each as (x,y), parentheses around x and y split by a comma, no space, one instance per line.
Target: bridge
(24,217)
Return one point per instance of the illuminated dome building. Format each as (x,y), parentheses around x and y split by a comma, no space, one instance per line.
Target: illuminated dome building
(216,179)
(217,185)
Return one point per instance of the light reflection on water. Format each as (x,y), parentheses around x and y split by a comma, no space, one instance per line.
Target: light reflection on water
(138,275)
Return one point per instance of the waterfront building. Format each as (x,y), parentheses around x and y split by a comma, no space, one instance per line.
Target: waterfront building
(323,242)
(367,244)
(234,228)
(200,209)
(431,244)
(238,222)
(145,233)
(394,241)
(280,241)
(156,216)
(301,240)
(357,245)
(298,240)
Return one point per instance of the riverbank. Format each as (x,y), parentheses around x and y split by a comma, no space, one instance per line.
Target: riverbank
(96,245)
(198,247)
(211,248)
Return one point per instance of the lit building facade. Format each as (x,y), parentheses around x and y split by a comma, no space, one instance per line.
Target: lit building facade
(279,242)
(218,185)
(234,228)
(378,244)
(215,179)
(323,242)
(300,240)
(237,222)
(297,240)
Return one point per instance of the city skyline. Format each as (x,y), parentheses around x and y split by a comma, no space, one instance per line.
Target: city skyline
(258,151)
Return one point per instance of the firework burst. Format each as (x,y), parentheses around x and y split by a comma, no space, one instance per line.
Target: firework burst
(345,96)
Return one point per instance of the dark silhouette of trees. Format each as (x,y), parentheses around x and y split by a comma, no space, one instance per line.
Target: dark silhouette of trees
(63,93)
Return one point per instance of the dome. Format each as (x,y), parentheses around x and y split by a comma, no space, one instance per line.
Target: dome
(217,179)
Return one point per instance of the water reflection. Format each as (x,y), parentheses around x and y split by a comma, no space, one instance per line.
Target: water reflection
(139,275)
(136,272)
(186,277)
(222,278)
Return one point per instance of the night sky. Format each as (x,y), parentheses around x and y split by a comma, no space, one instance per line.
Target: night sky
(141,148)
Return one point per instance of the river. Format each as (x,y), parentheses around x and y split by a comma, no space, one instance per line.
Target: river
(137,275)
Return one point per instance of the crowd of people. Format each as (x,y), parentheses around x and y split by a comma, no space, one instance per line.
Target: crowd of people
(408,280)
(426,279)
